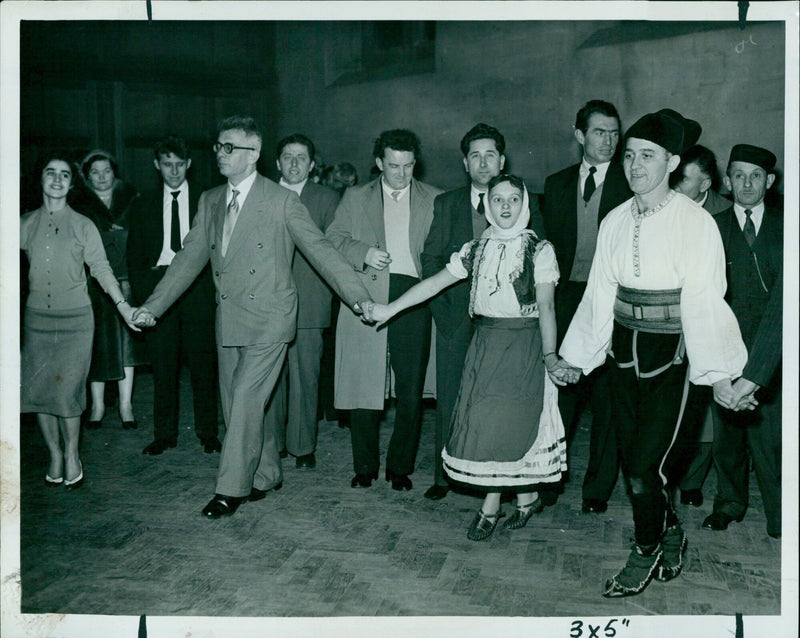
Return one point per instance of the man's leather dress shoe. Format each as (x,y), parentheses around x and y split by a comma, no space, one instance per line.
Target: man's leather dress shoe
(692,497)
(222,505)
(211,444)
(436,492)
(306,461)
(718,521)
(363,480)
(257,494)
(400,482)
(159,445)
(593,506)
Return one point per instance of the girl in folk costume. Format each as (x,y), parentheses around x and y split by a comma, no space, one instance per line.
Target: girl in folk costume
(506,432)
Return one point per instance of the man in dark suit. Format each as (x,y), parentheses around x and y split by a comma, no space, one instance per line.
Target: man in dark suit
(293,415)
(458,217)
(160,222)
(697,177)
(752,235)
(248,229)
(576,199)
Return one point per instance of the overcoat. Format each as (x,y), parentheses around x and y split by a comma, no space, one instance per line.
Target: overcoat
(361,351)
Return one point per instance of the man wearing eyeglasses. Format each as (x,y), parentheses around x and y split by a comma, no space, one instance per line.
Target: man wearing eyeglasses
(248,229)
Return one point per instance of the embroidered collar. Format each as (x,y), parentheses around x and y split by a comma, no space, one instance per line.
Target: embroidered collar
(637,218)
(650,211)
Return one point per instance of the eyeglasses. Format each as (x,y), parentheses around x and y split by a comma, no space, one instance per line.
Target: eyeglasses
(229,148)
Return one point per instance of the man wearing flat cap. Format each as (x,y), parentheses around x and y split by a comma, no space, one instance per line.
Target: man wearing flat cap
(654,303)
(752,235)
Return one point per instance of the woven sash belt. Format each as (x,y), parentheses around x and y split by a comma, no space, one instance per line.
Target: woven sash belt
(656,311)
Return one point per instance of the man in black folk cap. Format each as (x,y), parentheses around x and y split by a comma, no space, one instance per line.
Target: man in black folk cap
(654,302)
(752,235)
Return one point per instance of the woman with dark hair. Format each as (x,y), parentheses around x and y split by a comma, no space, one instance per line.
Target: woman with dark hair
(58,324)
(107,202)
(506,430)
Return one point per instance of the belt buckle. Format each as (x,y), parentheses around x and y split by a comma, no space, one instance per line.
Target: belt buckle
(637,311)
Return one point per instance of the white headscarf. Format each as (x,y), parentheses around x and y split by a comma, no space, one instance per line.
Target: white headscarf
(520,226)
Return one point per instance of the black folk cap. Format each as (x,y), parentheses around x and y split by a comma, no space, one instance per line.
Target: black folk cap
(667,128)
(753,155)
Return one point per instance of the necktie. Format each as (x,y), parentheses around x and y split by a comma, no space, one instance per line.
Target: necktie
(749,228)
(589,185)
(230,221)
(481,208)
(175,236)
(395,195)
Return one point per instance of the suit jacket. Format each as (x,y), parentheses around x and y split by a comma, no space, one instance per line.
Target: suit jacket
(358,225)
(771,232)
(768,331)
(145,241)
(716,203)
(451,228)
(256,295)
(561,215)
(313,294)
(767,349)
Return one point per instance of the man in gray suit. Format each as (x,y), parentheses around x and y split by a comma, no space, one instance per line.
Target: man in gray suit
(292,413)
(248,229)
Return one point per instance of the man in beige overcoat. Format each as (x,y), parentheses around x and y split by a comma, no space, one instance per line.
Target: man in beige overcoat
(380,228)
(248,229)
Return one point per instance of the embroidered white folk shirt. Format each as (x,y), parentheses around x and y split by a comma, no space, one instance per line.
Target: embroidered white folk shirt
(501,263)
(679,246)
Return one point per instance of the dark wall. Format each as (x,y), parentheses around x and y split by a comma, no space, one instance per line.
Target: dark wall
(528,79)
(121,85)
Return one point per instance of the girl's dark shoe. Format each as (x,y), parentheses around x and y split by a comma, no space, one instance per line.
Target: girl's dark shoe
(523,513)
(483,525)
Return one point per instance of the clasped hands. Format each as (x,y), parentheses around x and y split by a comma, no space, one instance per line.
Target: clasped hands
(561,372)
(143,318)
(736,396)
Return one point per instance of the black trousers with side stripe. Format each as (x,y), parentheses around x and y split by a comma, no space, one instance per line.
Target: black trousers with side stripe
(649,384)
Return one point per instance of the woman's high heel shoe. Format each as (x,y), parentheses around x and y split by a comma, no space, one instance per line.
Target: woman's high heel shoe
(90,423)
(49,481)
(75,483)
(128,425)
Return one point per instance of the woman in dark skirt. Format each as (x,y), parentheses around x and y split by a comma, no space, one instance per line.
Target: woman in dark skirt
(108,201)
(506,431)
(58,324)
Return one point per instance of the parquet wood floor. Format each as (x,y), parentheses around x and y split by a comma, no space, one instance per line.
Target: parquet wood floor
(132,541)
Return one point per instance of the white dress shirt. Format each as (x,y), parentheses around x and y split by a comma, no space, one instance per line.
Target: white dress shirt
(167,254)
(757,215)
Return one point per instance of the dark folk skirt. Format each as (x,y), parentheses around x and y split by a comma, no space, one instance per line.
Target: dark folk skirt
(506,430)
